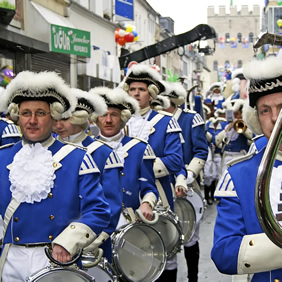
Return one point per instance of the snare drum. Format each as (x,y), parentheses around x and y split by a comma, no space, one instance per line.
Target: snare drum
(103,272)
(170,230)
(138,252)
(195,197)
(62,274)
(187,217)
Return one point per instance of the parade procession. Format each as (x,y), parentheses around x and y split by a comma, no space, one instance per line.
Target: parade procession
(132,153)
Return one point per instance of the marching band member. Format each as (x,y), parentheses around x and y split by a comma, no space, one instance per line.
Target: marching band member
(195,152)
(235,139)
(50,192)
(158,128)
(72,130)
(216,94)
(240,245)
(138,181)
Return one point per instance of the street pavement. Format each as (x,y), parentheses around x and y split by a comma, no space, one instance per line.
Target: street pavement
(207,269)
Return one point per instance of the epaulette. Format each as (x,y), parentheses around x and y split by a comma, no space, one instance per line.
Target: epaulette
(6,146)
(240,159)
(165,113)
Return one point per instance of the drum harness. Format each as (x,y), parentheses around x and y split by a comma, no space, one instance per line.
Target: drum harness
(14,204)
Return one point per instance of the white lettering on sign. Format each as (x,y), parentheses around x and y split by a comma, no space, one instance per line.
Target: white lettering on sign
(80,49)
(61,40)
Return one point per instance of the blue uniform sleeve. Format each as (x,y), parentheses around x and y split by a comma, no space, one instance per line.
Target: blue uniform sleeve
(172,158)
(111,182)
(229,231)
(95,210)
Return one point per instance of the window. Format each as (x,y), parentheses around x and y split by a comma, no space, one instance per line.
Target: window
(251,37)
(215,65)
(227,38)
(239,37)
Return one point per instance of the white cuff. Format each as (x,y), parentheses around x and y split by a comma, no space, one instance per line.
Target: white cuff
(258,253)
(160,169)
(196,165)
(150,198)
(76,236)
(97,242)
(219,137)
(181,181)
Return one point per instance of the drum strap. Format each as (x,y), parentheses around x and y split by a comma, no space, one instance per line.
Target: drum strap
(162,193)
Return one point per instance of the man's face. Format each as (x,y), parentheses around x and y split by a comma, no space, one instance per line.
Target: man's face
(139,91)
(110,123)
(268,108)
(65,128)
(38,126)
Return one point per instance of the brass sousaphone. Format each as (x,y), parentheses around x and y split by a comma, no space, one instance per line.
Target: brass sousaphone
(270,221)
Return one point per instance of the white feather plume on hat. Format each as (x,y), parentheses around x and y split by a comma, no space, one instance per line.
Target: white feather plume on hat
(175,91)
(118,98)
(43,86)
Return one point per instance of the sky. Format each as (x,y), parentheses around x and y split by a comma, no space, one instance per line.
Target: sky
(189,13)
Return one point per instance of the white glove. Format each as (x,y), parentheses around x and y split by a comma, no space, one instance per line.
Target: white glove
(190,177)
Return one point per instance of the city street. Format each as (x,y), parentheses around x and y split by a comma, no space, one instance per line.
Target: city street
(207,269)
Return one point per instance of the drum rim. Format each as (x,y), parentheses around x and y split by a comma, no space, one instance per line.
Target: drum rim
(52,269)
(185,200)
(202,198)
(173,218)
(116,264)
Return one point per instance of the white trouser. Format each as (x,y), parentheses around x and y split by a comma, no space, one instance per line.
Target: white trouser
(22,262)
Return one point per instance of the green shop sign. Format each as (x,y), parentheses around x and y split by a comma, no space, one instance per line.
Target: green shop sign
(70,41)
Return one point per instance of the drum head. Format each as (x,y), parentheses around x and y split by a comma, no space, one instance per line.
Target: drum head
(187,217)
(103,272)
(197,200)
(171,232)
(60,274)
(138,252)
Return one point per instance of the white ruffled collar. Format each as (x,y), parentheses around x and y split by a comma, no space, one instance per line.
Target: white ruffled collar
(32,173)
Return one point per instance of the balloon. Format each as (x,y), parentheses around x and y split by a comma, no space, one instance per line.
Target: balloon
(279,22)
(117,35)
(129,28)
(136,38)
(121,33)
(129,37)
(121,41)
(134,33)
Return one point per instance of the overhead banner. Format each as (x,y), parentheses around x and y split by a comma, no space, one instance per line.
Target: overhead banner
(70,41)
(124,10)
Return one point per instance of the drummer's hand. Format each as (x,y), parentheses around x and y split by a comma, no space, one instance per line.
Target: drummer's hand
(180,191)
(146,210)
(60,254)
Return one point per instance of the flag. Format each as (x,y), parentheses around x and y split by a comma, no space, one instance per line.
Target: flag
(231,2)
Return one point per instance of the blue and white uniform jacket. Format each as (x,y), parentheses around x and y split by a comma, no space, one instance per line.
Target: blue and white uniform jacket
(213,131)
(138,181)
(240,245)
(74,212)
(164,138)
(195,146)
(9,132)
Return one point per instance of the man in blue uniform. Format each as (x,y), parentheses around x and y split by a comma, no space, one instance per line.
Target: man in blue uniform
(72,130)
(240,244)
(195,152)
(158,128)
(138,182)
(50,192)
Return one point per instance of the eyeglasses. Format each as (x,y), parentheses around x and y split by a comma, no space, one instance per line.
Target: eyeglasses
(39,114)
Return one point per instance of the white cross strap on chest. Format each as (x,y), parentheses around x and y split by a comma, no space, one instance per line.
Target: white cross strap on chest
(156,119)
(130,144)
(94,146)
